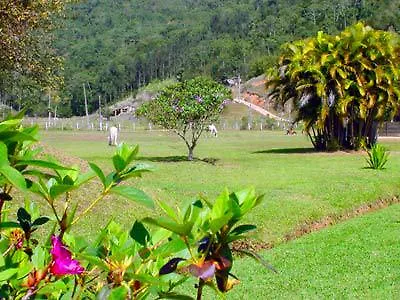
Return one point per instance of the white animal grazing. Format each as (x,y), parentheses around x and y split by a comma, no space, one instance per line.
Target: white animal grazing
(113,136)
(213,130)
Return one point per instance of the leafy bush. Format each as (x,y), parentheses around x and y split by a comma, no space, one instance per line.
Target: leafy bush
(117,264)
(377,157)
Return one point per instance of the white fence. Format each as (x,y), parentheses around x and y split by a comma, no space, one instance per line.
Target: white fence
(131,124)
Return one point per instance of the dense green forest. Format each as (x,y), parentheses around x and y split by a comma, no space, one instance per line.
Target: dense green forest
(115,46)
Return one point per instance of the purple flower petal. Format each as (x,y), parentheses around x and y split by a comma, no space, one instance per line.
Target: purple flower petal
(63,264)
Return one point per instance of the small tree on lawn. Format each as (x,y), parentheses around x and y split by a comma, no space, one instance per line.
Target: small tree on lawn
(187,108)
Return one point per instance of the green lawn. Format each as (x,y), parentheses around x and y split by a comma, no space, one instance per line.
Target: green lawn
(357,259)
(299,184)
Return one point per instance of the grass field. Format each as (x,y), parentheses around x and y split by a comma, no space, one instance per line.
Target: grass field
(358,258)
(299,184)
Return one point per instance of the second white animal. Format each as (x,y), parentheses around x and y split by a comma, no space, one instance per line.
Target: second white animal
(113,136)
(213,130)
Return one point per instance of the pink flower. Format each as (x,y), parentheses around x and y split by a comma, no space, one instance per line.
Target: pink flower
(204,271)
(62,263)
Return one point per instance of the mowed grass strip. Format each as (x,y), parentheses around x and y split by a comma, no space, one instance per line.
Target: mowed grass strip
(357,259)
(299,184)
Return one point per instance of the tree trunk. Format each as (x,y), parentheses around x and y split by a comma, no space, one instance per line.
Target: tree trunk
(190,154)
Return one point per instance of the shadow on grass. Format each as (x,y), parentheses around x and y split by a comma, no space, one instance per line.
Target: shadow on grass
(286,151)
(178,158)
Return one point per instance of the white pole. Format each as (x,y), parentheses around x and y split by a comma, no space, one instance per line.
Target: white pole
(86,107)
(100,116)
(49,108)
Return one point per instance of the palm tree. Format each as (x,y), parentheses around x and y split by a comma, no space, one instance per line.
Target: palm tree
(342,86)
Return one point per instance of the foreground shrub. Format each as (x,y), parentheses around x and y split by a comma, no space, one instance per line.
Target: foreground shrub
(118,264)
(377,157)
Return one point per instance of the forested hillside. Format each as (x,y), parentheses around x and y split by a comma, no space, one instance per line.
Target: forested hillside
(116,46)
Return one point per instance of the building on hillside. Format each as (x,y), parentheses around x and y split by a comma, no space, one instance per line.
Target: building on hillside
(124,107)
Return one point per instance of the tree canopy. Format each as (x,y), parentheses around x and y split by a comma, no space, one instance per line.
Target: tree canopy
(342,86)
(117,46)
(28,63)
(24,40)
(187,108)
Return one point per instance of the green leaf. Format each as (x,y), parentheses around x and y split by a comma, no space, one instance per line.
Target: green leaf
(4,225)
(9,124)
(2,261)
(67,180)
(7,274)
(243,229)
(193,211)
(132,155)
(83,178)
(98,172)
(23,215)
(37,173)
(247,200)
(169,248)
(15,136)
(168,210)
(39,257)
(181,229)
(42,164)
(110,179)
(220,206)
(13,176)
(40,221)
(38,189)
(3,154)
(136,171)
(24,219)
(133,194)
(94,260)
(52,287)
(216,224)
(119,163)
(59,189)
(118,293)
(139,233)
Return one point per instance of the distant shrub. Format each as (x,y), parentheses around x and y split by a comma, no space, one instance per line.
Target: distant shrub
(377,157)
